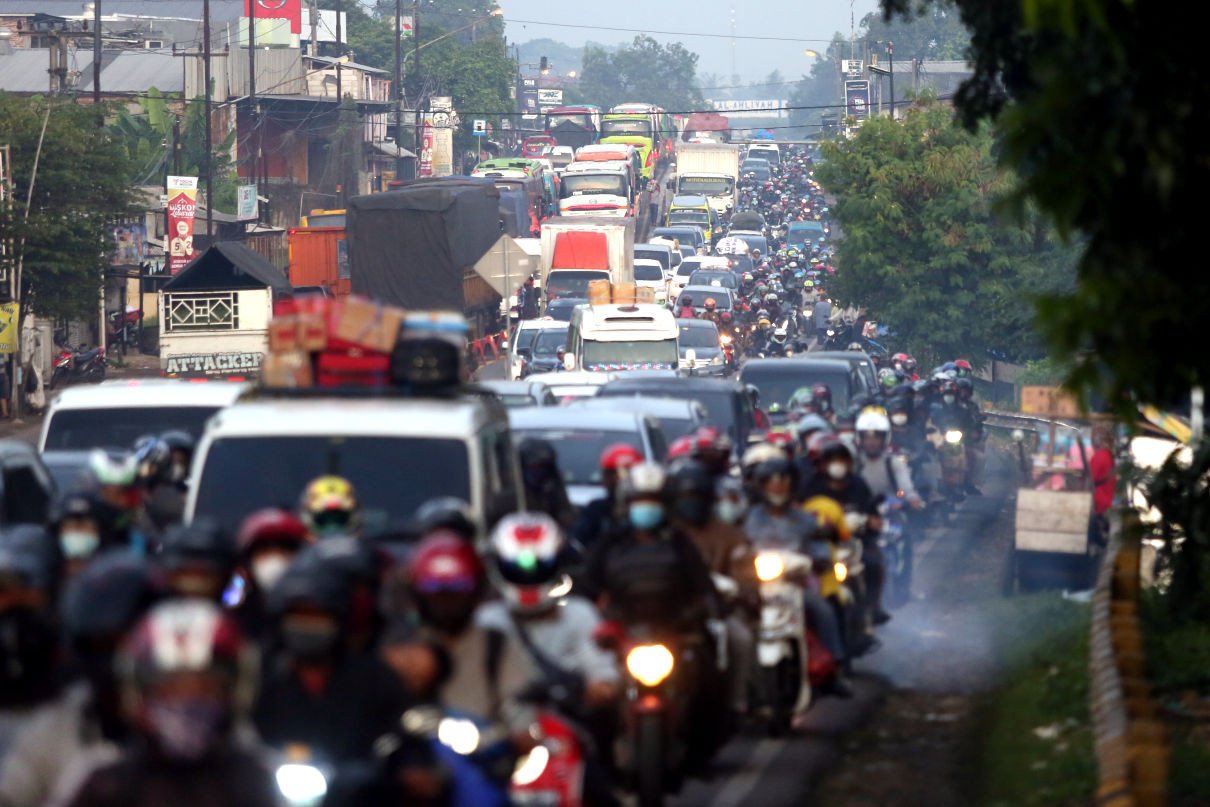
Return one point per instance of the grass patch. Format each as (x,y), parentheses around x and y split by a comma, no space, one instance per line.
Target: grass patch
(1035,729)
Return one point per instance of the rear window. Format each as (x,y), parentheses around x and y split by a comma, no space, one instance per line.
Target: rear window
(579,450)
(117,429)
(720,411)
(660,255)
(642,272)
(392,475)
(697,336)
(777,385)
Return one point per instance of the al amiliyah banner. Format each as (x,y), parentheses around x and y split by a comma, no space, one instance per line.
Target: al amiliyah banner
(182,205)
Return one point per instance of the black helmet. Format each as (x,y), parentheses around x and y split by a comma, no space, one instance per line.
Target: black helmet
(312,579)
(690,478)
(76,504)
(178,440)
(109,595)
(446,512)
(536,451)
(28,553)
(201,542)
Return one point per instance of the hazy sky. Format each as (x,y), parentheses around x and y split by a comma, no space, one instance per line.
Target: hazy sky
(754,58)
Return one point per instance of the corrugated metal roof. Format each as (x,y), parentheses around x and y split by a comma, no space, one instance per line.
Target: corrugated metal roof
(220,10)
(25,71)
(136,71)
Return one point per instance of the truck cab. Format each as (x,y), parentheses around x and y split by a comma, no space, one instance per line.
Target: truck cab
(610,337)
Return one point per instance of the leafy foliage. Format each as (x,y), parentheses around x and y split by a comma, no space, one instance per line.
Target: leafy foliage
(664,75)
(923,248)
(1106,132)
(80,189)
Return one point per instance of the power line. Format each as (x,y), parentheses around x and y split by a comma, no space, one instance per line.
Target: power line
(663,33)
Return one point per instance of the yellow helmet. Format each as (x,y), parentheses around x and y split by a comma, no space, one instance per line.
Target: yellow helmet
(329,506)
(829,513)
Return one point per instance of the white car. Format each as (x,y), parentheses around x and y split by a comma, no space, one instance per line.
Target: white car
(649,274)
(521,346)
(691,265)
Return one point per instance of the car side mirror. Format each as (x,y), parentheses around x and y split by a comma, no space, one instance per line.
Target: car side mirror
(569,362)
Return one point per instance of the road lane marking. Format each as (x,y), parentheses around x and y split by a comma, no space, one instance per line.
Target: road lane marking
(742,784)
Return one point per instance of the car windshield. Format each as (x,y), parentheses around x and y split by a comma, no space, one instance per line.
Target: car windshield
(698,336)
(777,385)
(392,475)
(515,401)
(707,186)
(647,272)
(572,283)
(589,184)
(645,355)
(611,128)
(690,235)
(579,450)
(705,278)
(549,341)
(689,216)
(722,299)
(525,338)
(653,255)
(117,428)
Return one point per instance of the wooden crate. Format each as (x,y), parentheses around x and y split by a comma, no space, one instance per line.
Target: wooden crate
(1053,521)
(1051,402)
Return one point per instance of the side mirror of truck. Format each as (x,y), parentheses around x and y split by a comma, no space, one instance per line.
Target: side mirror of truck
(569,362)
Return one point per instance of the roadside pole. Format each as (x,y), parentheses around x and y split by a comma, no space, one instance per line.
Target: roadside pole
(17,381)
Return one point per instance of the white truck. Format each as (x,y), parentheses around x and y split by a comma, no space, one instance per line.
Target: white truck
(602,338)
(710,170)
(579,249)
(597,189)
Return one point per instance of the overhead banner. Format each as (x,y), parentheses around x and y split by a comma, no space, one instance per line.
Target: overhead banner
(9,317)
(247,207)
(857,98)
(182,206)
(427,142)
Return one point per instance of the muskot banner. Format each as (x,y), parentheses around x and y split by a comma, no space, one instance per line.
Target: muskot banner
(182,205)
(427,144)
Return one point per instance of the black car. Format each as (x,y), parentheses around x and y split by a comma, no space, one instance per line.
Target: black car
(728,407)
(701,336)
(561,308)
(779,379)
(26,486)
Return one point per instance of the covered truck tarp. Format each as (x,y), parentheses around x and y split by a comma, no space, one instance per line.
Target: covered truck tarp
(412,247)
(514,213)
(581,250)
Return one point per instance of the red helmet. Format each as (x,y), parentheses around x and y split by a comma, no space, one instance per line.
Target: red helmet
(271,527)
(899,357)
(725,316)
(708,437)
(710,304)
(783,440)
(444,561)
(821,395)
(619,456)
(682,447)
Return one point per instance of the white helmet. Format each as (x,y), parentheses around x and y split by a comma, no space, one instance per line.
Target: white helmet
(761,452)
(526,550)
(644,479)
(872,419)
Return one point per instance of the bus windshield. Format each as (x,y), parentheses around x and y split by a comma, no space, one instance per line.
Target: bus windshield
(706,186)
(653,355)
(610,128)
(584,184)
(581,119)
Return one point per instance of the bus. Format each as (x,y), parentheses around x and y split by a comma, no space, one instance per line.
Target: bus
(574,126)
(663,126)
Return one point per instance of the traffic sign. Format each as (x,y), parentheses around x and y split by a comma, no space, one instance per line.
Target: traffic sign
(479,127)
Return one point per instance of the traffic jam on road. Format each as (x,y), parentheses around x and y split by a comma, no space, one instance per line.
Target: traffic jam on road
(566,529)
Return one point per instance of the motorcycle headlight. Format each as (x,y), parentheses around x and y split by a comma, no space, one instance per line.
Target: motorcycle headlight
(831,332)
(301,784)
(841,571)
(725,339)
(531,766)
(650,663)
(953,437)
(459,735)
(769,567)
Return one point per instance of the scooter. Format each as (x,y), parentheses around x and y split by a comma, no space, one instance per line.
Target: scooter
(781,647)
(895,541)
(79,365)
(951,452)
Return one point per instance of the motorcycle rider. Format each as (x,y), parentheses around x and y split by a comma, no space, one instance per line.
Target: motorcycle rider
(974,443)
(186,706)
(774,522)
(266,542)
(329,507)
(76,521)
(121,502)
(198,560)
(544,489)
(600,516)
(164,501)
(685,307)
(836,480)
(85,723)
(950,413)
(885,473)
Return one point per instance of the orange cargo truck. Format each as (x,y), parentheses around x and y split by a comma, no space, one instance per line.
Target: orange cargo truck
(318,257)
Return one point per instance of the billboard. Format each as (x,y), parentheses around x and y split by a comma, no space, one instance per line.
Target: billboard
(288,10)
(857,98)
(762,108)
(182,206)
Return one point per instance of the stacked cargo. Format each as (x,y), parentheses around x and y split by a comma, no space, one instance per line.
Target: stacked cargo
(602,292)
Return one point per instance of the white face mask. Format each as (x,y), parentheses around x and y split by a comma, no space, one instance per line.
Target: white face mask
(899,419)
(777,499)
(838,470)
(949,399)
(78,544)
(267,570)
(728,511)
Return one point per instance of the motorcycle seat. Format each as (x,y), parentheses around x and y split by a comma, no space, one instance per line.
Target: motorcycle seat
(86,356)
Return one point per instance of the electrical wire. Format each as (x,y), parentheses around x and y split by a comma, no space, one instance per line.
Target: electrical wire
(662,33)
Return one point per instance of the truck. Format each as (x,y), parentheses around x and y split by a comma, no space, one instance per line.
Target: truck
(610,337)
(710,170)
(580,249)
(318,258)
(597,189)
(707,126)
(417,247)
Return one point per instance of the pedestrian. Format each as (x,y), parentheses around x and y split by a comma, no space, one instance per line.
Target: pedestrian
(527,300)
(1104,480)
(6,389)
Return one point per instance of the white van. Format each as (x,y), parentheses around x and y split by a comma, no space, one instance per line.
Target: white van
(397,451)
(114,414)
(622,337)
(649,274)
(765,151)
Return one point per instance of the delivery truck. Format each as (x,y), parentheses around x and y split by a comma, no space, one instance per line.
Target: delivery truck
(710,170)
(318,258)
(579,249)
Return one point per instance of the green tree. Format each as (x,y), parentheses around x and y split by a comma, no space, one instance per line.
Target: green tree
(665,75)
(1102,118)
(80,190)
(923,248)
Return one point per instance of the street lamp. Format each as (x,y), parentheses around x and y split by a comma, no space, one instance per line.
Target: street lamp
(811,54)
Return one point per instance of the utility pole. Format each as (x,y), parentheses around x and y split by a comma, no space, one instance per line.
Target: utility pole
(314,28)
(419,75)
(176,147)
(890,53)
(206,168)
(340,48)
(398,88)
(254,140)
(96,60)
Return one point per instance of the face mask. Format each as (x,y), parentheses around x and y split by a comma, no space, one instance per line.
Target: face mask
(949,399)
(728,511)
(187,728)
(777,499)
(899,419)
(178,471)
(693,510)
(78,544)
(646,515)
(310,641)
(838,470)
(267,570)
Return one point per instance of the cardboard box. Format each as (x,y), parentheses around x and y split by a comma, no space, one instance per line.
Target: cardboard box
(312,332)
(1049,402)
(283,334)
(598,292)
(289,369)
(364,324)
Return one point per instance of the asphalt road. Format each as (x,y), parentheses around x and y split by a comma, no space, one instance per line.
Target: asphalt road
(937,642)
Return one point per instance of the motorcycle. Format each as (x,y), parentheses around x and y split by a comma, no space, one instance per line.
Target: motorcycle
(842,581)
(78,365)
(551,774)
(951,453)
(781,647)
(895,541)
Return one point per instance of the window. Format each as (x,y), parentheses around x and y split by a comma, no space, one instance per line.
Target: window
(40,41)
(202,311)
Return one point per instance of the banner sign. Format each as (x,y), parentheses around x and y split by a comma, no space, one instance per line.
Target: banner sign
(182,206)
(247,207)
(761,108)
(213,364)
(290,10)
(857,98)
(9,317)
(427,142)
